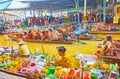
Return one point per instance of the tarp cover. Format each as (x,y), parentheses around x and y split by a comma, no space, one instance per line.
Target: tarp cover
(4,4)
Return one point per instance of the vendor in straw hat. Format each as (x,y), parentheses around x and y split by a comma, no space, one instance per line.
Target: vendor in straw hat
(23,49)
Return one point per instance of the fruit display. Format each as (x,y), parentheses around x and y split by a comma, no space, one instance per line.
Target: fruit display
(20,65)
(102,66)
(9,64)
(41,66)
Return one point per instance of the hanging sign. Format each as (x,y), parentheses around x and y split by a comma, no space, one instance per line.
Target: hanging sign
(117,10)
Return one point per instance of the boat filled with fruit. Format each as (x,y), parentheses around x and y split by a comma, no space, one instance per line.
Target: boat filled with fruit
(40,66)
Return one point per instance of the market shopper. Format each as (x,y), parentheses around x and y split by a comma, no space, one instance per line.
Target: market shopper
(23,49)
(98,54)
(100,25)
(65,60)
(54,34)
(107,45)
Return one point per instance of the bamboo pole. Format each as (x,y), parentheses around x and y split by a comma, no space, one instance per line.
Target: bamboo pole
(43,49)
(104,11)
(85,7)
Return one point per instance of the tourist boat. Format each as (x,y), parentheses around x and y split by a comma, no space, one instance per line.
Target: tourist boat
(104,32)
(81,37)
(42,41)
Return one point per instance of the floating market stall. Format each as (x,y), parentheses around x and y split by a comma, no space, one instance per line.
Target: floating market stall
(39,66)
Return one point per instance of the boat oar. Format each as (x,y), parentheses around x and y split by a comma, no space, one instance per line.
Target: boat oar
(43,49)
(82,42)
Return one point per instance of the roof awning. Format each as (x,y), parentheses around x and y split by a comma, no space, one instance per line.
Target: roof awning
(4,4)
(17,5)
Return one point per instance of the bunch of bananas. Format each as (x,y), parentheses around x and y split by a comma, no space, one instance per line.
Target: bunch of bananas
(4,58)
(98,63)
(95,65)
(7,62)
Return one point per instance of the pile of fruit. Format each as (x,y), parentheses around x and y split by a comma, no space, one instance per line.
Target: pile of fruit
(20,65)
(69,73)
(62,73)
(10,63)
(102,66)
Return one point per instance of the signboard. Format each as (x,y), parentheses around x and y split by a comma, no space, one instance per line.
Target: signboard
(117,10)
(117,13)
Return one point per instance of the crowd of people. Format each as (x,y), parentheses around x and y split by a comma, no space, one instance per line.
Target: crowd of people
(47,34)
(65,32)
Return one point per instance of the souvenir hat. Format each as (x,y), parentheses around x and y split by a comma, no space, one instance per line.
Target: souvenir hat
(20,41)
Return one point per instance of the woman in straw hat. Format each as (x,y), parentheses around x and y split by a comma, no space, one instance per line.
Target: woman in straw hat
(23,49)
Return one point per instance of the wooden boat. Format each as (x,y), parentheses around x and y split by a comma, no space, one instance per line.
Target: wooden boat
(104,32)
(94,38)
(7,74)
(81,38)
(41,41)
(1,33)
(111,24)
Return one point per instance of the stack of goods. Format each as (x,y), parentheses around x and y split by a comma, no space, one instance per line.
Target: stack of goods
(61,73)
(40,65)
(28,67)
(71,73)
(10,63)
(5,50)
(103,68)
(95,71)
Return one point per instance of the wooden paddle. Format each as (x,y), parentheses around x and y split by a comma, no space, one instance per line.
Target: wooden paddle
(82,42)
(43,49)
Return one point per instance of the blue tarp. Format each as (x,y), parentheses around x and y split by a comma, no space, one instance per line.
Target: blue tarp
(2,22)
(5,4)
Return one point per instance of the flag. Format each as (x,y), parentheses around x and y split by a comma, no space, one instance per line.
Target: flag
(76,6)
